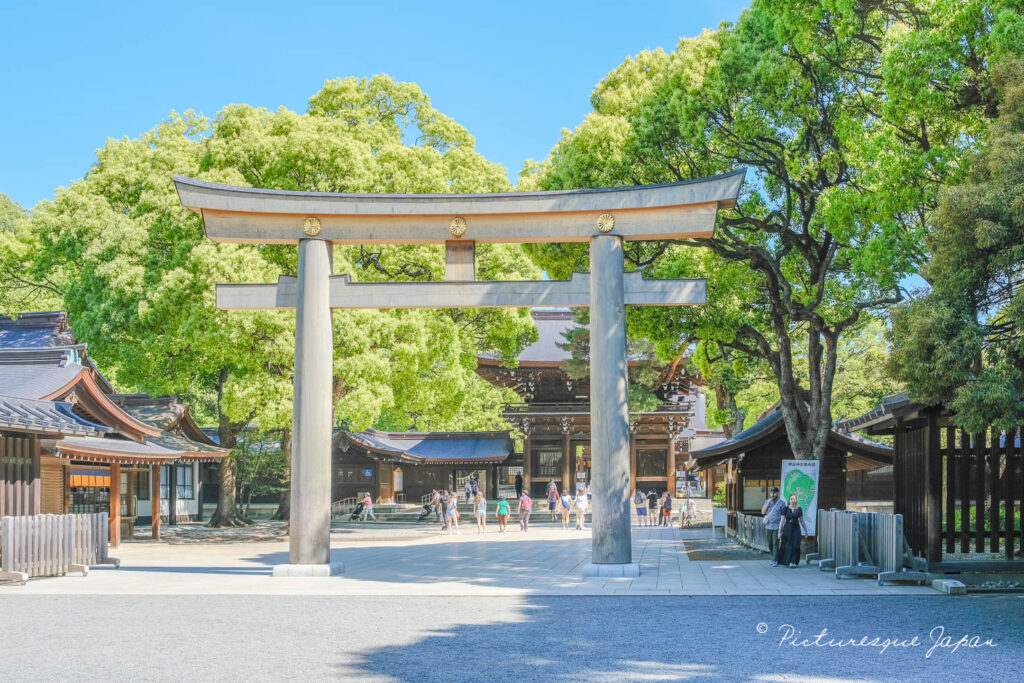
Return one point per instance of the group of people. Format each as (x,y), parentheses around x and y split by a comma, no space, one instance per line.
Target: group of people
(784,522)
(652,509)
(444,504)
(561,504)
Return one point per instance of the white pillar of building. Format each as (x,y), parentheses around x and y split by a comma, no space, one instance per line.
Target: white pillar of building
(309,550)
(609,412)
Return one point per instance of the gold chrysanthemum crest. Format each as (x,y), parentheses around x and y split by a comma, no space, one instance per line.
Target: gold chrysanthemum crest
(605,222)
(457,227)
(311,226)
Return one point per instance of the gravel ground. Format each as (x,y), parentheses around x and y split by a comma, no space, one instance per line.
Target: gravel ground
(311,638)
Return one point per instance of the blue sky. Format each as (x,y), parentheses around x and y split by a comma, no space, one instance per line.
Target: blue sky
(74,74)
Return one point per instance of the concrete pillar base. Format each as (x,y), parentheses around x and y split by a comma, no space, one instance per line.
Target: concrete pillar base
(309,570)
(630,570)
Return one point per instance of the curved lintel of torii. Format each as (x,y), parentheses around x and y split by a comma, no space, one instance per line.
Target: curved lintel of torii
(644,212)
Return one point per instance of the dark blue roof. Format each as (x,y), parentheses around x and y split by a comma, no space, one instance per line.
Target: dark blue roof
(36,331)
(437,446)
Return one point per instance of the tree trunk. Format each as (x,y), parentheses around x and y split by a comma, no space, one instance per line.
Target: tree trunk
(725,400)
(283,511)
(227,513)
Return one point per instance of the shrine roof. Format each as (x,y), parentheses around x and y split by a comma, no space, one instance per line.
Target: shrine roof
(36,330)
(44,417)
(435,447)
(863,453)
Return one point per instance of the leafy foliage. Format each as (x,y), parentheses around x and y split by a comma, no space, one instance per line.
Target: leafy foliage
(850,116)
(137,275)
(962,344)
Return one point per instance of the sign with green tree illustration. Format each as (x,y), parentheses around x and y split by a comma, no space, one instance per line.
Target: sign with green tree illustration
(800,477)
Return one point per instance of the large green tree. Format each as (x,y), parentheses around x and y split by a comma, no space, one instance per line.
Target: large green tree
(137,274)
(850,116)
(962,344)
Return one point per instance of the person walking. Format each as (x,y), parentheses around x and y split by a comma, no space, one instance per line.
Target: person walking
(691,513)
(443,501)
(789,534)
(519,486)
(652,508)
(552,499)
(580,506)
(469,491)
(640,501)
(367,508)
(564,507)
(501,512)
(772,513)
(435,503)
(525,506)
(480,511)
(453,514)
(666,510)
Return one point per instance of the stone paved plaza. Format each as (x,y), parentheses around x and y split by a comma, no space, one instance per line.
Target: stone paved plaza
(417,560)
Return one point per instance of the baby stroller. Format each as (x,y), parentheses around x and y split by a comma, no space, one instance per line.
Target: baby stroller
(355,513)
(428,510)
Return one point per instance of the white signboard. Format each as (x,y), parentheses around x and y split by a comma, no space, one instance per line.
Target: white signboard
(801,477)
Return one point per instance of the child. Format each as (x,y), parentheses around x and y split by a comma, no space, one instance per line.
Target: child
(565,508)
(480,510)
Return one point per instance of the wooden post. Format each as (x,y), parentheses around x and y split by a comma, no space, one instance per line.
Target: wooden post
(133,477)
(37,473)
(527,462)
(114,519)
(632,458)
(566,456)
(670,466)
(197,485)
(979,492)
(172,494)
(154,497)
(933,490)
(995,458)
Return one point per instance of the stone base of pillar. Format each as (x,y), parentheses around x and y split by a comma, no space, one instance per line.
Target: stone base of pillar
(611,571)
(309,570)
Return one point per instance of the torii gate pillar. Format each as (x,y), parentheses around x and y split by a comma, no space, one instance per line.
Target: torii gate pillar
(609,412)
(309,542)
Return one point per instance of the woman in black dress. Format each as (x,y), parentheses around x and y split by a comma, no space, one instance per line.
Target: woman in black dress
(789,534)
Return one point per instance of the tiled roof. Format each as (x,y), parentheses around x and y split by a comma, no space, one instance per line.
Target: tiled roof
(437,446)
(36,381)
(764,429)
(105,449)
(36,330)
(47,417)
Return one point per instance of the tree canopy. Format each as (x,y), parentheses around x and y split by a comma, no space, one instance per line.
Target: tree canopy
(962,344)
(137,275)
(849,116)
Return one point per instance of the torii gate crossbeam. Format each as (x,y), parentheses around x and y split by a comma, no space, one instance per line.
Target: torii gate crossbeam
(604,217)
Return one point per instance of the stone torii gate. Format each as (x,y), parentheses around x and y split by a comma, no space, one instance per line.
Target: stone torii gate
(602,217)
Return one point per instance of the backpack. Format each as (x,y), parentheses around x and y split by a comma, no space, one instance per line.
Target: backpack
(639,498)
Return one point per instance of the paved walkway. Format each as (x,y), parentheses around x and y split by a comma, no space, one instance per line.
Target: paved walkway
(396,560)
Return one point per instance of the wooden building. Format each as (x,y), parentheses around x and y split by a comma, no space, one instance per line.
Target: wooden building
(960,494)
(405,466)
(87,451)
(753,460)
(554,418)
(554,415)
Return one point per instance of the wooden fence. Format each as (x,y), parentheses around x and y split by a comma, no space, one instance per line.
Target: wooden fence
(52,545)
(750,531)
(960,493)
(19,476)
